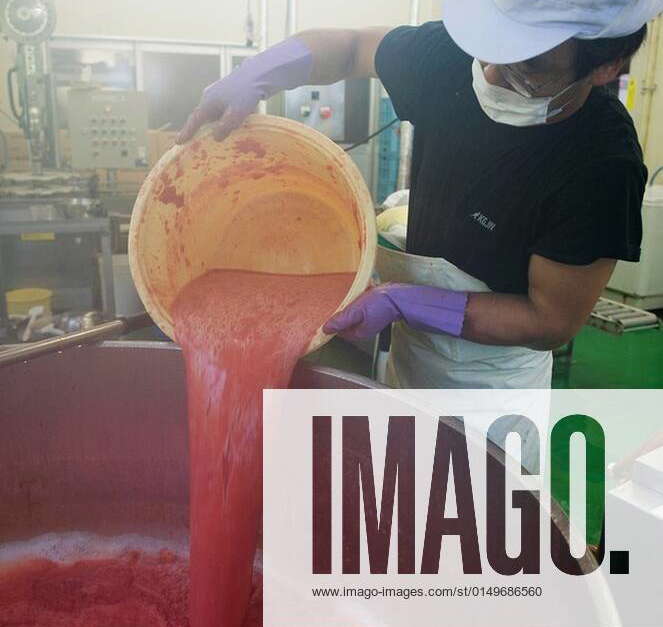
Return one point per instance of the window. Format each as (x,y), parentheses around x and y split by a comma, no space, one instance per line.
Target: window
(174,83)
(105,66)
(172,74)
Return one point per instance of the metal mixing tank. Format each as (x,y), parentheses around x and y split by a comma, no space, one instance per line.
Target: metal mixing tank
(95,439)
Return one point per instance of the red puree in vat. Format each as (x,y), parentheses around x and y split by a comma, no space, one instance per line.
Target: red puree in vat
(241,332)
(130,590)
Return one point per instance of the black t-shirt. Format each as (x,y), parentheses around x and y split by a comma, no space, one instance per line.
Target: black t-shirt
(486,196)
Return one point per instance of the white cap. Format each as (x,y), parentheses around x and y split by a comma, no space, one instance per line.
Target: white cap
(508,31)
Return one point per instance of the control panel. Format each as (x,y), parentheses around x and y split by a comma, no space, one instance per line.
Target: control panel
(108,129)
(340,111)
(321,107)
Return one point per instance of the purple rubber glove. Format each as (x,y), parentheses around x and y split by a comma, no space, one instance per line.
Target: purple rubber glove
(423,308)
(231,99)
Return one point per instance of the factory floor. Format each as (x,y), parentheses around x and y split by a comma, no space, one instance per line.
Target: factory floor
(603,360)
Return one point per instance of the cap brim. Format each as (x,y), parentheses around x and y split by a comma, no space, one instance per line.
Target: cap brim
(480,29)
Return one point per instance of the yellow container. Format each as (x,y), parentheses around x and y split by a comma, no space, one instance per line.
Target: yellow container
(19,302)
(275,196)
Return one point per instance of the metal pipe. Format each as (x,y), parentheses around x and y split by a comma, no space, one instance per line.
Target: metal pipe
(263,43)
(649,85)
(99,333)
(653,176)
(405,157)
(264,31)
(291,18)
(414,12)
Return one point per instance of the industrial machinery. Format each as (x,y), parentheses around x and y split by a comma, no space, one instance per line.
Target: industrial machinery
(51,218)
(107,128)
(339,111)
(51,226)
(30,23)
(618,318)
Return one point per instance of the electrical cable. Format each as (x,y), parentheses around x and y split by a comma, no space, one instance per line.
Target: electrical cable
(12,103)
(656,173)
(4,164)
(367,139)
(11,118)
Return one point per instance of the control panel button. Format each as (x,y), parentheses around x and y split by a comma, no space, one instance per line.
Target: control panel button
(325,112)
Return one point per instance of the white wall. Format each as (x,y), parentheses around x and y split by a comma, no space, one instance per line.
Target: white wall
(222,20)
(648,105)
(209,20)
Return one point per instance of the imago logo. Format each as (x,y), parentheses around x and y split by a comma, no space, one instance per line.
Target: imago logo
(401,483)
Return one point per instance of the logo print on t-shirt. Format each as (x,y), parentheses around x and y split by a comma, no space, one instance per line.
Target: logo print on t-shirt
(483,220)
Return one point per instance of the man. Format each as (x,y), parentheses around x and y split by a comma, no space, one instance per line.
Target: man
(526,185)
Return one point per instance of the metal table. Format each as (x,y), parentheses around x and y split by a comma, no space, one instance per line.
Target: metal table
(78,226)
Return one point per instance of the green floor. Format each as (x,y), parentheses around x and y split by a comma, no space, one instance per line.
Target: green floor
(602,360)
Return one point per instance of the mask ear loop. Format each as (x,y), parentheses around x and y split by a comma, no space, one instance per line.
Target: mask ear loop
(555,112)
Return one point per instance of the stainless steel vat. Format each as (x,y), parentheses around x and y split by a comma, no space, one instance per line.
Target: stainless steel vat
(95,439)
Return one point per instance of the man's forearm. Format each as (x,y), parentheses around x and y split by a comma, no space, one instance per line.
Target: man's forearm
(512,320)
(342,53)
(309,58)
(559,300)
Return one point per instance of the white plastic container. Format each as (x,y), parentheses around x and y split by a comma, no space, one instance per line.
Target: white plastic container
(641,283)
(275,196)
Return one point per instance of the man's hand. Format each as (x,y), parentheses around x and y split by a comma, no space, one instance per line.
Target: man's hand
(231,99)
(421,307)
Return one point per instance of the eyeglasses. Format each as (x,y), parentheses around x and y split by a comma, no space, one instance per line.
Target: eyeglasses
(524,85)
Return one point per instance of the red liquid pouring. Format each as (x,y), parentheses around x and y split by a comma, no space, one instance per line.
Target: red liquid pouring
(241,332)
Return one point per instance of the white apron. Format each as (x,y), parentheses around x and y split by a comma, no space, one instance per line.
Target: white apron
(430,360)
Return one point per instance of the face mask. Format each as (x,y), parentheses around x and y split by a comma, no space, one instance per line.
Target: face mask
(509,107)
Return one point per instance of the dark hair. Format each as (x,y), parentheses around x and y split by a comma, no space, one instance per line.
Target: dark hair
(593,53)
